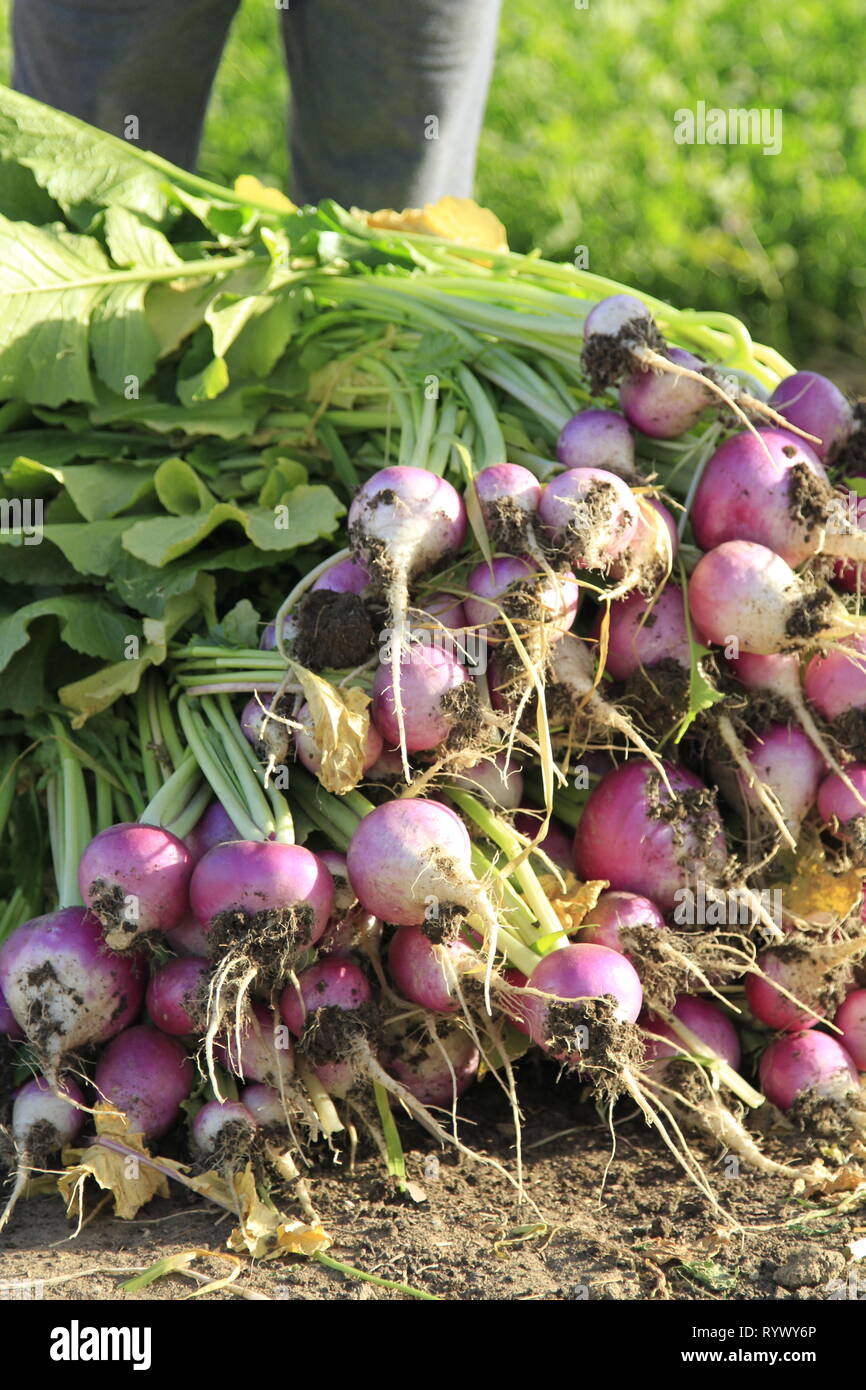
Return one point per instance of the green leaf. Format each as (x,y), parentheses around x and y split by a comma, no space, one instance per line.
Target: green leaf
(82,168)
(87,623)
(97,692)
(240,626)
(91,546)
(53,448)
(702,695)
(50,282)
(311,511)
(304,515)
(133,243)
(204,385)
(101,490)
(232,415)
(252,332)
(21,198)
(179,488)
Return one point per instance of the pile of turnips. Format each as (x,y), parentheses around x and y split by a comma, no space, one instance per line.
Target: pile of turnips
(568,756)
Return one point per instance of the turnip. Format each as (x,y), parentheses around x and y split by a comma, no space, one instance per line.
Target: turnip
(744,596)
(262,904)
(789,767)
(401,522)
(689,1055)
(705,1020)
(621,338)
(45,1118)
(598,439)
(519,590)
(146,1075)
(8,1025)
(566,981)
(842,807)
(260,1050)
(663,405)
(435,1070)
(815,405)
(508,496)
(497,780)
(779,676)
(214,828)
(644,839)
(590,517)
(268,640)
(573,693)
(802,1071)
(835,685)
(649,559)
(177,996)
(645,632)
(66,988)
(135,879)
(619,918)
(269,736)
(224,1133)
(440,610)
(330,1010)
(426,974)
(265,1106)
(347,576)
(771,488)
(797,984)
(438,699)
(851,1021)
(410,863)
(189,938)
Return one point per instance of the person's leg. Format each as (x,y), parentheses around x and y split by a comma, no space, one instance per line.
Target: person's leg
(107,60)
(388,97)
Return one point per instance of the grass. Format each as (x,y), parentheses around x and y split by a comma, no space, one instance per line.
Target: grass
(578,150)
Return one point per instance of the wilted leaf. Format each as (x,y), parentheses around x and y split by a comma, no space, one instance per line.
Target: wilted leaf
(573,903)
(818,896)
(340,727)
(455,219)
(248,186)
(131,1184)
(264,1232)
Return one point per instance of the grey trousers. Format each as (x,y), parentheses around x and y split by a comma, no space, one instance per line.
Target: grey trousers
(387,96)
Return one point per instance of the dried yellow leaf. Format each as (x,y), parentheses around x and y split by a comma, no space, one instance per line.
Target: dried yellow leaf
(575,901)
(341,724)
(453,219)
(248,186)
(131,1184)
(264,1232)
(819,897)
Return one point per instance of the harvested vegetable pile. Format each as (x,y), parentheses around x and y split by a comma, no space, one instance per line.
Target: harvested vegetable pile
(565,748)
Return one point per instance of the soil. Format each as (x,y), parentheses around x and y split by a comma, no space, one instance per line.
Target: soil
(643,1232)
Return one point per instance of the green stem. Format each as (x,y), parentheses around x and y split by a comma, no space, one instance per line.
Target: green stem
(224,788)
(354,1273)
(502,835)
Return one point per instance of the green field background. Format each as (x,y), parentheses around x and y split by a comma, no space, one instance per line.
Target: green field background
(578,150)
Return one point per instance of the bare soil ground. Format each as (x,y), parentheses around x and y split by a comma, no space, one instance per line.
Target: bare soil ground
(641,1232)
